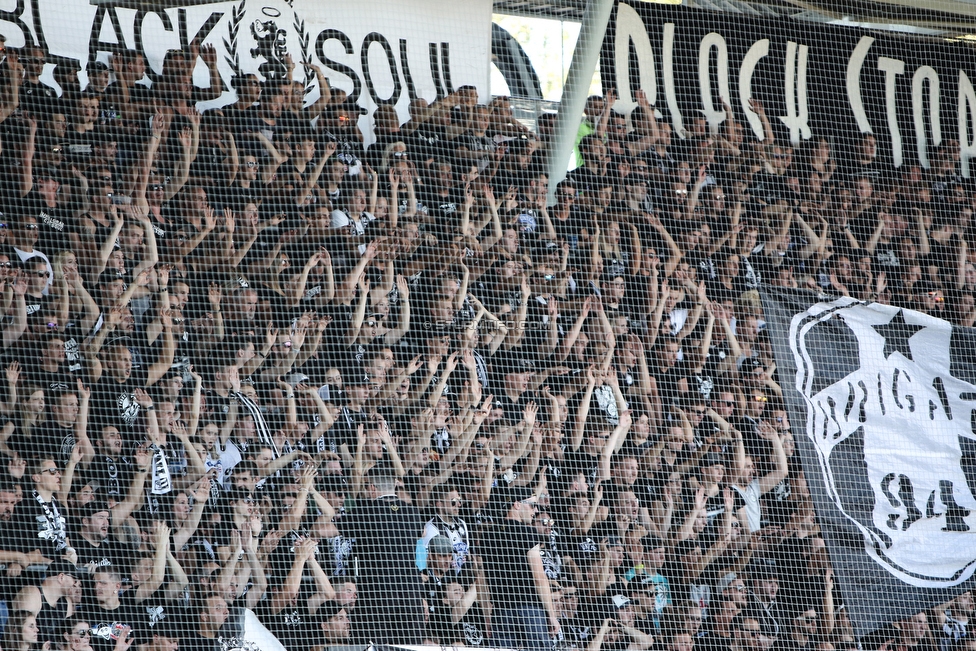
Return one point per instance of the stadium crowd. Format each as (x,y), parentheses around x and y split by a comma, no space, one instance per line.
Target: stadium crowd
(256,370)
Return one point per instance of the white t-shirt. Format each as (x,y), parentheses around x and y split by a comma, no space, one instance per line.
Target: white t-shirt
(342,219)
(751,494)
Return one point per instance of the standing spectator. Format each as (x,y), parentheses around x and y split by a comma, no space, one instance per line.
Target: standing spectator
(386,532)
(38,522)
(447,522)
(955,620)
(203,633)
(523,611)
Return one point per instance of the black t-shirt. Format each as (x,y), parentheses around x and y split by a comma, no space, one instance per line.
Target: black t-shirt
(108,554)
(114,475)
(514,409)
(193,641)
(157,608)
(59,380)
(115,403)
(568,230)
(482,145)
(53,440)
(52,224)
(293,624)
(580,461)
(505,550)
(50,617)
(429,141)
(40,525)
(469,631)
(38,98)
(78,147)
(35,304)
(106,624)
(386,531)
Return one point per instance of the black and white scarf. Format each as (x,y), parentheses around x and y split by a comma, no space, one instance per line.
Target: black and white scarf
(259,423)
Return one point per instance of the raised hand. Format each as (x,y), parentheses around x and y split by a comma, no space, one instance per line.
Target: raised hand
(185,136)
(143,457)
(143,399)
(214,295)
(201,491)
(403,288)
(531,410)
(13,372)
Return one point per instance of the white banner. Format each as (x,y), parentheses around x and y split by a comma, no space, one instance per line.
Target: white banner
(378,51)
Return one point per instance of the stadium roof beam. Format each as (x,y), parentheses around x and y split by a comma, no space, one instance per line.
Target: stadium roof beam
(931,18)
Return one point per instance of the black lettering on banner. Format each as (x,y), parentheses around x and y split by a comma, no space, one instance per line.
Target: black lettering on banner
(954,514)
(341,68)
(881,396)
(137,26)
(14,17)
(405,67)
(38,28)
(446,67)
(202,33)
(376,37)
(851,397)
(939,386)
(435,70)
(95,42)
(906,493)
(833,416)
(910,399)
(862,416)
(813,79)
(892,500)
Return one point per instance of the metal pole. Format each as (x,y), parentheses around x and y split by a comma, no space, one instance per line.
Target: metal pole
(596,16)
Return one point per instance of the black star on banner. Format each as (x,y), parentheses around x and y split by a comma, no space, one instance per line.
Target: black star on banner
(896,334)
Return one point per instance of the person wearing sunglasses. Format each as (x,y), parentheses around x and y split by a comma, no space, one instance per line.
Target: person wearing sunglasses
(38,526)
(52,599)
(38,275)
(450,598)
(23,235)
(524,613)
(74,634)
(447,522)
(745,633)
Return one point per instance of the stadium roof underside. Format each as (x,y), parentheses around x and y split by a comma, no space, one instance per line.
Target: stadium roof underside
(935,18)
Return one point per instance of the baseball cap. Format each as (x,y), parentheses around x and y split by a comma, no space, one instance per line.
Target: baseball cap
(652,541)
(328,610)
(109,276)
(168,627)
(333,484)
(46,172)
(356,379)
(296,378)
(762,568)
(440,545)
(96,506)
(620,601)
(519,494)
(712,459)
(726,581)
(512,362)
(62,567)
(350,106)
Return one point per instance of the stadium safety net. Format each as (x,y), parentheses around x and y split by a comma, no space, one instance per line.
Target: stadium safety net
(309,341)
